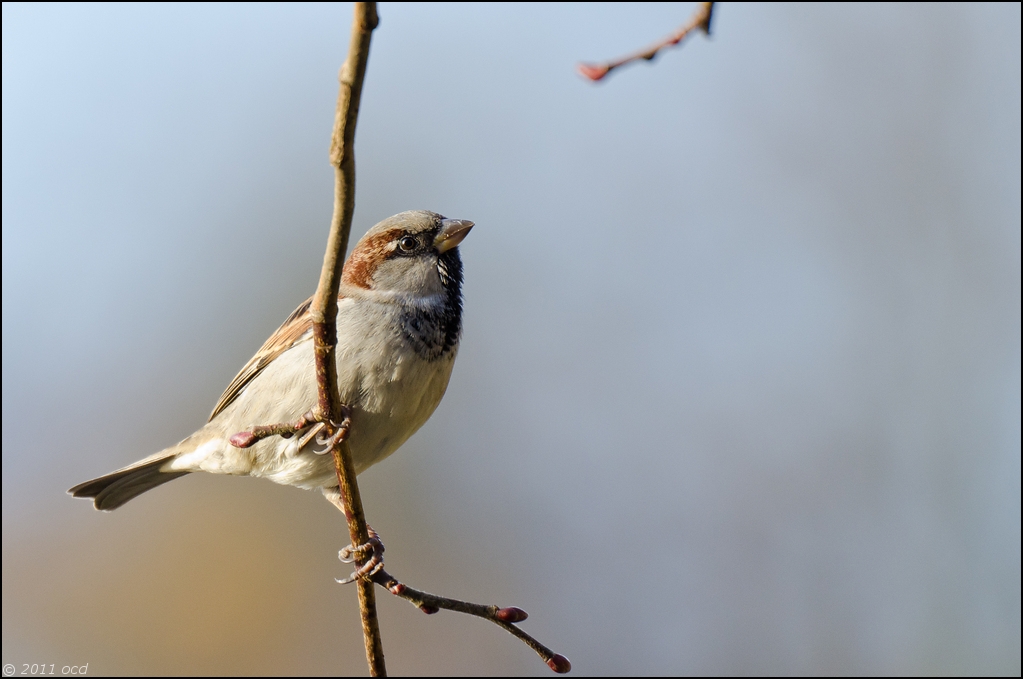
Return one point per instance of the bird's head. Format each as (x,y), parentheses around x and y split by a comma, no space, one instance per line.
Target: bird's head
(412,254)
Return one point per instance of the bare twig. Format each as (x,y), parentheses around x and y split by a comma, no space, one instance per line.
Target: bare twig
(245,439)
(502,617)
(700,19)
(324,306)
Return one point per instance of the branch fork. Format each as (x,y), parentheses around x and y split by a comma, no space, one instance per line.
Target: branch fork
(368,556)
(316,422)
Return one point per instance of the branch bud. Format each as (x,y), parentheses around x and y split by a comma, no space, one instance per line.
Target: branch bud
(559,664)
(511,614)
(243,439)
(592,72)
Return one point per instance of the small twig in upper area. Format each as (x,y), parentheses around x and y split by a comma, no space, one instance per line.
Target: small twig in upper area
(700,20)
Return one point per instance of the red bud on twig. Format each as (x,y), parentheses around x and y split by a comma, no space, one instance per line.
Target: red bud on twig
(511,614)
(559,664)
(592,72)
(243,439)
(699,20)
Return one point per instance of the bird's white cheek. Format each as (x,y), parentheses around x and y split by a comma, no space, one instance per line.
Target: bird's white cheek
(408,275)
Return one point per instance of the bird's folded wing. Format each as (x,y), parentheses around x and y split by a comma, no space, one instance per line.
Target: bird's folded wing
(285,337)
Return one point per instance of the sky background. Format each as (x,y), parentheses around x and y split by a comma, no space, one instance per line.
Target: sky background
(739,386)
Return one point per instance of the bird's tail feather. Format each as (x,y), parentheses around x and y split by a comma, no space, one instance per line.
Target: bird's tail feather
(114,489)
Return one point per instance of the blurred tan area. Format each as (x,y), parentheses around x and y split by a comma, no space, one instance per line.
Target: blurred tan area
(230,576)
(739,386)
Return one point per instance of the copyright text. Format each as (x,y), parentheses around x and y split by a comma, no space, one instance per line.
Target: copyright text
(45,669)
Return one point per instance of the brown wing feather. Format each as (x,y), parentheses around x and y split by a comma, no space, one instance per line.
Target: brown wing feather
(296,325)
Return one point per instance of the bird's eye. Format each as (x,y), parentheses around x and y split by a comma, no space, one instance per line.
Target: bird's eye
(407,244)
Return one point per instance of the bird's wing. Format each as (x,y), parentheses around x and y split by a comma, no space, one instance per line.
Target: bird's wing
(285,337)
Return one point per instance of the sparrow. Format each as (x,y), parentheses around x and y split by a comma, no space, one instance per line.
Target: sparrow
(399,322)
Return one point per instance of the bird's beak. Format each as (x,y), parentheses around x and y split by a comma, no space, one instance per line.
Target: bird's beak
(452,231)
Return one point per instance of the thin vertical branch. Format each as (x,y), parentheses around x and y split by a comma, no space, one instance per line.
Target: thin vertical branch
(324,305)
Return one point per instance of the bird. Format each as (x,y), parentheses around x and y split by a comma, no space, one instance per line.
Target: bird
(399,323)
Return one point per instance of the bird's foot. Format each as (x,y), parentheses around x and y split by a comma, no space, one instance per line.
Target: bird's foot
(341,431)
(369,556)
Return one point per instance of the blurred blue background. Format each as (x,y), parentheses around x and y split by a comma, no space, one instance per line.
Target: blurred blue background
(739,389)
